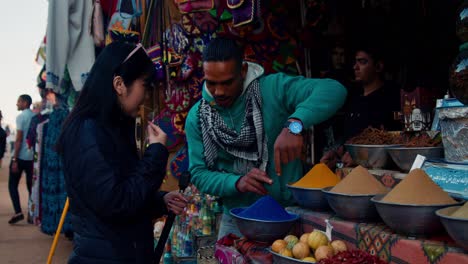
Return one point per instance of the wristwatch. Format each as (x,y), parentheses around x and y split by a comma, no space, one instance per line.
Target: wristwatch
(295,127)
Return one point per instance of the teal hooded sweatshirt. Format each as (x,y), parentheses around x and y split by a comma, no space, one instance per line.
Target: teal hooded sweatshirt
(310,100)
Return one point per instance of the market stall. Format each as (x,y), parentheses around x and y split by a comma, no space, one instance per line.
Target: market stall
(310,38)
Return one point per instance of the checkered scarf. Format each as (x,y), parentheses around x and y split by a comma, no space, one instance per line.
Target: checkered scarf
(249,147)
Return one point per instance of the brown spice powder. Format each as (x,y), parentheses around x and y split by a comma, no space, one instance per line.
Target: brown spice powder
(359,181)
(418,188)
(461,212)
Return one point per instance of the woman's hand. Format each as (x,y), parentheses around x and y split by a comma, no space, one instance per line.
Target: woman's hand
(175,202)
(156,134)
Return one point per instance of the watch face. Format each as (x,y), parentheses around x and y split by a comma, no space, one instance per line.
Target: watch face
(295,127)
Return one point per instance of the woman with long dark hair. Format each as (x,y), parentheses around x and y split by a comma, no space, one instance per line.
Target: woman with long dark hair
(113,194)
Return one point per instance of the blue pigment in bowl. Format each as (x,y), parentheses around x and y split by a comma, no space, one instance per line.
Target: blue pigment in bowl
(265,208)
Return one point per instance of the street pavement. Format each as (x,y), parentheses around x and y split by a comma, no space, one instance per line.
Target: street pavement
(24,243)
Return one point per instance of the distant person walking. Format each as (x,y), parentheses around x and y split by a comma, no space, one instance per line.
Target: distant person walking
(3,136)
(22,158)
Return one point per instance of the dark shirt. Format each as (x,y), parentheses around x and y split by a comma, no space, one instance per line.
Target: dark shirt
(374,110)
(3,137)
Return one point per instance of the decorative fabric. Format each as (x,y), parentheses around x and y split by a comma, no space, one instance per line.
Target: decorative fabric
(32,131)
(123,35)
(173,59)
(249,147)
(53,194)
(189,25)
(164,121)
(205,22)
(243,11)
(253,251)
(98,24)
(155,53)
(196,85)
(178,99)
(176,38)
(180,162)
(376,239)
(199,43)
(79,57)
(187,67)
(178,121)
(35,206)
(121,20)
(189,6)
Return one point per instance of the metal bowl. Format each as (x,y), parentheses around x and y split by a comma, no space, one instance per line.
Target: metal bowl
(371,156)
(456,227)
(357,207)
(311,198)
(410,219)
(404,157)
(262,230)
(279,259)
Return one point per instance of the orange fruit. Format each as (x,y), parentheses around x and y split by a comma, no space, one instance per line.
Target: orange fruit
(323,252)
(301,250)
(278,245)
(316,239)
(286,252)
(304,237)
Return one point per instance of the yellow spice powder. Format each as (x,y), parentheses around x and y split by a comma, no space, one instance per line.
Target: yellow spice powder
(320,176)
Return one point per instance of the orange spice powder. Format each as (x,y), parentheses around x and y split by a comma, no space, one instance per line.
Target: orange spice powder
(320,176)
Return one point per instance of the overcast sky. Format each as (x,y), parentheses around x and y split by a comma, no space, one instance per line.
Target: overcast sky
(23,28)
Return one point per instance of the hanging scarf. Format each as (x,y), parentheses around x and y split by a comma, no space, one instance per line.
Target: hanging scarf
(249,147)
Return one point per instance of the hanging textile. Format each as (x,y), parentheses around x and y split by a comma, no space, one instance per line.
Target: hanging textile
(35,205)
(31,138)
(69,42)
(32,131)
(53,193)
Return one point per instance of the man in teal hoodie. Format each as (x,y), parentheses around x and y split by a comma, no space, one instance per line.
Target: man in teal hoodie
(244,136)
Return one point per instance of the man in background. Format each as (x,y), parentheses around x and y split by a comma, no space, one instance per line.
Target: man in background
(22,160)
(371,104)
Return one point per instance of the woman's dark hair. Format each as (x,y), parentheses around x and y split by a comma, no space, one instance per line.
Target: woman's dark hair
(98,99)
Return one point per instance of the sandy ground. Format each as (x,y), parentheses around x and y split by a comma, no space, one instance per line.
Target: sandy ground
(23,243)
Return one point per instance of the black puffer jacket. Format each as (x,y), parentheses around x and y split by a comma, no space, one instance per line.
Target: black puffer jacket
(113,195)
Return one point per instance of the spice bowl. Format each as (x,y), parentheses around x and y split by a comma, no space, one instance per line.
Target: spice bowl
(357,207)
(311,198)
(404,156)
(456,227)
(371,156)
(263,230)
(410,219)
